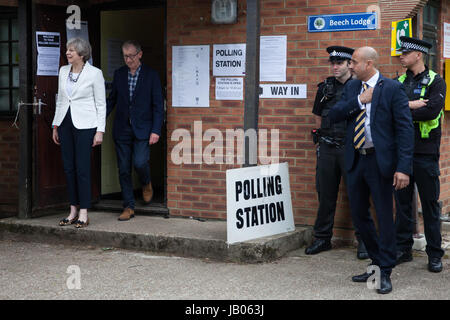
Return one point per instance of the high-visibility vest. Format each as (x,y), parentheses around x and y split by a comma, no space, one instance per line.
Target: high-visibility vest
(426,126)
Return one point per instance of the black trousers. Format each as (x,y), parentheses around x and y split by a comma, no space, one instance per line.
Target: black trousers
(363,181)
(329,171)
(426,176)
(76,149)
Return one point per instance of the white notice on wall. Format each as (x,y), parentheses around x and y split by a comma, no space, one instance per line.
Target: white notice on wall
(283,91)
(48,50)
(447,40)
(229,89)
(229,59)
(273,57)
(258,202)
(190,76)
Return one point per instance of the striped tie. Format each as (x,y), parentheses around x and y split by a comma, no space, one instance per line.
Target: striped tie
(359,137)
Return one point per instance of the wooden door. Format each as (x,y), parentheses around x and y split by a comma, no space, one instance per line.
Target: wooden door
(49,179)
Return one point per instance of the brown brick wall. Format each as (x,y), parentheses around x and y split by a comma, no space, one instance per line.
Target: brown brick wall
(9,168)
(192,187)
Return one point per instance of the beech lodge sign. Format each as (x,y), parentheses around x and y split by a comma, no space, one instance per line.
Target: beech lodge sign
(343,22)
(258,202)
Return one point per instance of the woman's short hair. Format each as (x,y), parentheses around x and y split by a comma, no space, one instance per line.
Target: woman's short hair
(81,46)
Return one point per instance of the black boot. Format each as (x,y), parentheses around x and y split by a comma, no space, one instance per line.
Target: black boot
(404,256)
(361,252)
(318,245)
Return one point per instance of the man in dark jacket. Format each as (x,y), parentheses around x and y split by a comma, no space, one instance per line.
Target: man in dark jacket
(136,92)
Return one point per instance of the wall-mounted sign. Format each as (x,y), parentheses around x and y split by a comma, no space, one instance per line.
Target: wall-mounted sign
(229,88)
(258,202)
(446,41)
(282,91)
(343,22)
(399,29)
(273,58)
(229,59)
(190,76)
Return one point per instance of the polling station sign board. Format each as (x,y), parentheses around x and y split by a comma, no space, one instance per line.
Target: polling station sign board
(229,59)
(282,91)
(343,22)
(258,202)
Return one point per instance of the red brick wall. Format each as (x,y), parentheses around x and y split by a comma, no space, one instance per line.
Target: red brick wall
(199,190)
(9,168)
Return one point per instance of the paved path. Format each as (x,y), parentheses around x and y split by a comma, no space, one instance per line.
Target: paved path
(31,270)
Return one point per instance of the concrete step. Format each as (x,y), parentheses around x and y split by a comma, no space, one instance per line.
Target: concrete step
(177,236)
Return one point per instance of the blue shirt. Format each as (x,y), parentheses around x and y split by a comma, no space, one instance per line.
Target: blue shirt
(132,81)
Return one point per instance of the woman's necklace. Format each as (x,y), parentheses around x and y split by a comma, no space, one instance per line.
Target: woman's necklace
(71,75)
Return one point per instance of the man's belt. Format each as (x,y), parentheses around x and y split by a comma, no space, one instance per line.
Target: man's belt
(366,151)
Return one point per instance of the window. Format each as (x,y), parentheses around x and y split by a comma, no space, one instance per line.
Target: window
(430,30)
(9,61)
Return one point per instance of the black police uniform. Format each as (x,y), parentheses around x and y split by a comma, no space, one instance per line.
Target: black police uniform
(330,157)
(425,168)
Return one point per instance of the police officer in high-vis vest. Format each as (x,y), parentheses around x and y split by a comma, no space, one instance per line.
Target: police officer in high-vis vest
(426,93)
(330,150)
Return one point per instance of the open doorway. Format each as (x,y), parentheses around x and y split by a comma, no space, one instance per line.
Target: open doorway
(147,26)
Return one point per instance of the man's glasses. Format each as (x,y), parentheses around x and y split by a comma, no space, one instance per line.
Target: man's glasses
(132,56)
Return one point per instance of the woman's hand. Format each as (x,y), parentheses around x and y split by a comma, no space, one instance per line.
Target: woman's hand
(55,136)
(98,139)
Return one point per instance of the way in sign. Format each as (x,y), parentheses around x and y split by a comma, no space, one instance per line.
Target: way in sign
(283,91)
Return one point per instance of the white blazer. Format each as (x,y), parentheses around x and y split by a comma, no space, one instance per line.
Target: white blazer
(88,100)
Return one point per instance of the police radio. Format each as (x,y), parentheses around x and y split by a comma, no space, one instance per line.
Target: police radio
(329,90)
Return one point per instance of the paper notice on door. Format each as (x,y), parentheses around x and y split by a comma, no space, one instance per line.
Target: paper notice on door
(48,50)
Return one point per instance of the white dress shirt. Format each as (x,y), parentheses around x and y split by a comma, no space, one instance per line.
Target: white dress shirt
(371,83)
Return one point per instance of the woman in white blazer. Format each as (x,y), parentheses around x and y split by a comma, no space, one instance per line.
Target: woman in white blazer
(78,125)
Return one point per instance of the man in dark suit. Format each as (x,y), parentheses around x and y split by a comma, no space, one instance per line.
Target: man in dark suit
(136,91)
(378,155)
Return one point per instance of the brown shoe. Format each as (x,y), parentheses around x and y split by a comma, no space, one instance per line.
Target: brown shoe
(127,214)
(147,193)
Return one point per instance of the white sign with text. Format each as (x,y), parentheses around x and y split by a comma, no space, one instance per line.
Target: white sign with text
(229,59)
(258,202)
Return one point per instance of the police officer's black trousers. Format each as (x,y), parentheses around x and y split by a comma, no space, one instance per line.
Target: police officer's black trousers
(426,176)
(329,170)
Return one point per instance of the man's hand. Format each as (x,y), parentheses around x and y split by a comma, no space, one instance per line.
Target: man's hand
(366,96)
(154,138)
(401,180)
(98,139)
(416,104)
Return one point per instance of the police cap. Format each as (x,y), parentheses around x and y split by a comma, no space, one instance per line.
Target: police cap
(413,44)
(340,53)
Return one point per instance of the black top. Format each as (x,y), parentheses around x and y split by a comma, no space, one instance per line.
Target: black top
(435,93)
(319,104)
